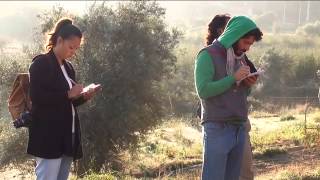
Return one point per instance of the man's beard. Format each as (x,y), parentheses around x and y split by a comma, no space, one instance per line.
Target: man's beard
(237,51)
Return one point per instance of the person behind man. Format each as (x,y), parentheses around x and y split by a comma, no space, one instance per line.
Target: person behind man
(54,133)
(318,76)
(215,29)
(224,103)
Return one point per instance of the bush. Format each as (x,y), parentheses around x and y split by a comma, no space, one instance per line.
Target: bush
(287,75)
(180,91)
(309,29)
(129,51)
(13,143)
(275,77)
(270,152)
(287,118)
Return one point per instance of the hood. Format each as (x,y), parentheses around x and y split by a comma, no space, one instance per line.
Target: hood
(235,29)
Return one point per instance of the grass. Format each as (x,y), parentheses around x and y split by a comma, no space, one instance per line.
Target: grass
(169,147)
(287,118)
(176,145)
(292,172)
(270,152)
(285,126)
(96,176)
(289,175)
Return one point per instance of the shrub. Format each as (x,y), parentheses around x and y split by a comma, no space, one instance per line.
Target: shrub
(287,118)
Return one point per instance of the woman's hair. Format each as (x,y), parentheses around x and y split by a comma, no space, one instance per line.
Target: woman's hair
(64,29)
(219,21)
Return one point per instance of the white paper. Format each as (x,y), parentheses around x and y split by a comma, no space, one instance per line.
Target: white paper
(92,85)
(259,72)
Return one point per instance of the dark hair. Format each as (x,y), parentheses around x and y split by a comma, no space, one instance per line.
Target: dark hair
(64,29)
(219,21)
(254,32)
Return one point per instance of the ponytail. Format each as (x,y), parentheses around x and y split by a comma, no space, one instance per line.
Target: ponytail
(64,29)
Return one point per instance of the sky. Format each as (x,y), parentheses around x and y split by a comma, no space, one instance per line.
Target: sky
(18,18)
(8,8)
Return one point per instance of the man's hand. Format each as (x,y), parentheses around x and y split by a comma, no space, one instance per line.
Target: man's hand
(250,81)
(242,72)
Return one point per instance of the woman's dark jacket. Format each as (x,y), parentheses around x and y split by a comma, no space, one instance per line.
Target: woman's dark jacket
(50,133)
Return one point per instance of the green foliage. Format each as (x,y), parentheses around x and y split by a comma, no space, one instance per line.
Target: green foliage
(179,90)
(287,118)
(275,76)
(291,131)
(10,65)
(289,176)
(297,176)
(129,51)
(287,74)
(105,176)
(309,29)
(173,145)
(317,117)
(270,152)
(13,143)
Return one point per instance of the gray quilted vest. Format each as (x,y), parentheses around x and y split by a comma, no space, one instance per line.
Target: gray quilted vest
(232,104)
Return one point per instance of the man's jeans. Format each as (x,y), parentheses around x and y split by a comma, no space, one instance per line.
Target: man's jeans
(53,169)
(247,172)
(223,151)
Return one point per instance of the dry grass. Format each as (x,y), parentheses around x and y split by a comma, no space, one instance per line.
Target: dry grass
(171,146)
(280,147)
(292,172)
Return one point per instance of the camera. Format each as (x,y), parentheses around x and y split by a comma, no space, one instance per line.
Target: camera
(23,121)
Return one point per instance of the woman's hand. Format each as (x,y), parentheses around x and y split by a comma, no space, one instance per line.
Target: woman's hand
(75,91)
(91,92)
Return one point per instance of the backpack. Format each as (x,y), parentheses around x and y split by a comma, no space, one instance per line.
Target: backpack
(19,102)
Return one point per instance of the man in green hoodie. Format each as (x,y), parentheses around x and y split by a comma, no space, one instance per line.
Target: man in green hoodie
(218,71)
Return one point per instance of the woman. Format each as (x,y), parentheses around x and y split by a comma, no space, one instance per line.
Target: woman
(215,29)
(54,135)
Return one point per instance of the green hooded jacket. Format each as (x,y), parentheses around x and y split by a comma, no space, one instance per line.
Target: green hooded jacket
(204,68)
